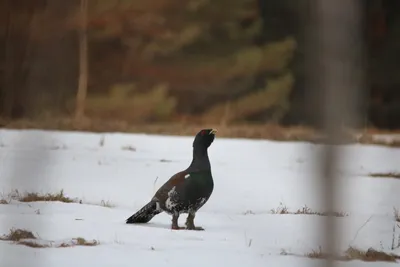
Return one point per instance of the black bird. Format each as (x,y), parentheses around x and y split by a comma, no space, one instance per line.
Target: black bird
(186,191)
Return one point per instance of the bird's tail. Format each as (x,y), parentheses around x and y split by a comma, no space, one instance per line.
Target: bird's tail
(145,214)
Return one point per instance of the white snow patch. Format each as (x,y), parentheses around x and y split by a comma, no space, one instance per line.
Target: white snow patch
(259,178)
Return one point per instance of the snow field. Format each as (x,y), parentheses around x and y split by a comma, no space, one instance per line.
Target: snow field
(251,178)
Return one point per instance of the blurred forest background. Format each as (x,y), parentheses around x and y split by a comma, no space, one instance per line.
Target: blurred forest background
(137,62)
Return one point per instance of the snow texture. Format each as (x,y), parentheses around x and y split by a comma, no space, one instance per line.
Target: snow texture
(251,177)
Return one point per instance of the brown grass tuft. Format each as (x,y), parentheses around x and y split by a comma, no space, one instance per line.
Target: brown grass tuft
(83,242)
(22,237)
(27,238)
(64,245)
(32,197)
(280,210)
(395,175)
(317,254)
(189,125)
(32,244)
(3,202)
(79,241)
(17,235)
(306,211)
(369,255)
(369,139)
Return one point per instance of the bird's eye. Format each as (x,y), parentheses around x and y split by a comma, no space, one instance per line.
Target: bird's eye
(203,132)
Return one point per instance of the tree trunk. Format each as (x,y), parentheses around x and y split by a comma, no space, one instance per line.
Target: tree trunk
(83,64)
(16,57)
(8,90)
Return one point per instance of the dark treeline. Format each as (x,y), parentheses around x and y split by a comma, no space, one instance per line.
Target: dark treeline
(161,60)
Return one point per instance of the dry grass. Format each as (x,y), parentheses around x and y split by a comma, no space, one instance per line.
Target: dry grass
(371,255)
(280,210)
(48,197)
(317,254)
(188,126)
(27,238)
(369,139)
(32,244)
(33,197)
(23,237)
(395,175)
(106,204)
(270,131)
(17,235)
(306,211)
(79,241)
(83,242)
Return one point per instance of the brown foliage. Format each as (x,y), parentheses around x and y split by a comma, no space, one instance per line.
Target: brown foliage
(79,241)
(32,197)
(275,95)
(170,51)
(154,104)
(27,238)
(371,255)
(190,125)
(306,211)
(17,235)
(394,175)
(209,54)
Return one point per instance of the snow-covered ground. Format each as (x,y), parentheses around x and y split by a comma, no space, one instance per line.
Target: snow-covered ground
(251,178)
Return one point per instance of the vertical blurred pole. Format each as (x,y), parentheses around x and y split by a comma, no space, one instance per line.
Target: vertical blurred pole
(83,63)
(20,15)
(8,84)
(335,82)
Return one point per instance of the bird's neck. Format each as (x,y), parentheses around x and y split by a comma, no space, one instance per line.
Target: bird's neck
(200,161)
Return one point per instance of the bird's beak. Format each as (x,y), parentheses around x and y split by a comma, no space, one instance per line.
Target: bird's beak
(213,131)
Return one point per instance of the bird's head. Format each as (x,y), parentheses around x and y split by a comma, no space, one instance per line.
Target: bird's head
(204,138)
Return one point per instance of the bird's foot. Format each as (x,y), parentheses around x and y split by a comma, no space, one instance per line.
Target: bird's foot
(177,227)
(190,223)
(195,228)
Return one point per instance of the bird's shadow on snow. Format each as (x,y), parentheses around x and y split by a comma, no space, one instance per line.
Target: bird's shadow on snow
(152,225)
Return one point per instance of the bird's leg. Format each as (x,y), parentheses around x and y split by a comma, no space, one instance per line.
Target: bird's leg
(175,225)
(190,222)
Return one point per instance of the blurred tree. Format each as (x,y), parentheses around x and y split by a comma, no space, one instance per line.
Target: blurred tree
(83,63)
(207,56)
(15,36)
(39,57)
(205,51)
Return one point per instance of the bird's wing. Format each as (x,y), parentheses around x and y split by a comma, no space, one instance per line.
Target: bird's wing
(175,181)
